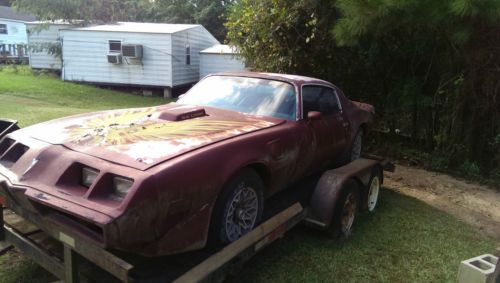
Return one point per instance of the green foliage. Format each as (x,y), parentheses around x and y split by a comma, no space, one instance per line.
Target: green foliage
(470,169)
(16,69)
(209,13)
(84,11)
(429,67)
(282,35)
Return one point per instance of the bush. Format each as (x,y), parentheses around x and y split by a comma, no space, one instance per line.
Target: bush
(470,169)
(17,69)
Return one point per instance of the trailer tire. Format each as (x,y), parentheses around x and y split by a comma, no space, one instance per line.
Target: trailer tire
(238,208)
(371,194)
(345,211)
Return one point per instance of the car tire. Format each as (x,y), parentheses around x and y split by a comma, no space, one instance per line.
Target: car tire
(356,146)
(370,197)
(238,208)
(345,212)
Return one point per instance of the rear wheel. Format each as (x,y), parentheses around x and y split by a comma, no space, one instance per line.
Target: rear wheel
(345,211)
(238,209)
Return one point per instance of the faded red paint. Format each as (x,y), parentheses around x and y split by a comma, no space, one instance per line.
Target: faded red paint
(179,157)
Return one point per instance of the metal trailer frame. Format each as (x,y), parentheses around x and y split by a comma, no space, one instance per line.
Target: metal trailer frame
(67,262)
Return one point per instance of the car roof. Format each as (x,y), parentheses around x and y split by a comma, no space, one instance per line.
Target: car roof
(294,79)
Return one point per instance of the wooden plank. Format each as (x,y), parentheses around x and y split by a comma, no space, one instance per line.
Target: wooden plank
(256,237)
(71,274)
(17,222)
(102,258)
(50,263)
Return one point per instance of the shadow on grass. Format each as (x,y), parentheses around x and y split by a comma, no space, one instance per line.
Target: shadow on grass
(405,240)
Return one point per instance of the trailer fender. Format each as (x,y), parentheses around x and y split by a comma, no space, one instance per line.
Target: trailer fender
(330,185)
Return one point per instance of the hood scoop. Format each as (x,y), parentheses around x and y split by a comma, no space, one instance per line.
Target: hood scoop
(182,113)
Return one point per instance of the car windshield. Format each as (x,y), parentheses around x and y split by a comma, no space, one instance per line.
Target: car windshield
(247,95)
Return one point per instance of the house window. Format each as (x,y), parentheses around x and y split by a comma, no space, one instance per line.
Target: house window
(188,55)
(3,29)
(115,46)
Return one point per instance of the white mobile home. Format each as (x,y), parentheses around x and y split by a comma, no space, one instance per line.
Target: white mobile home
(13,31)
(41,35)
(135,54)
(220,58)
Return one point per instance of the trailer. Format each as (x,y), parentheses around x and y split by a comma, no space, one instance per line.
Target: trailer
(327,201)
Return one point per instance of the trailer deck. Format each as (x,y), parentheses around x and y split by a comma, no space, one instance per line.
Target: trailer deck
(71,258)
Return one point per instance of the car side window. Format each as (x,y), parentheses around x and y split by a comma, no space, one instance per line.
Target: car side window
(319,98)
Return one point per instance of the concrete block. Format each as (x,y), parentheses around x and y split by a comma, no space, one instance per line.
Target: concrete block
(479,269)
(167,92)
(147,92)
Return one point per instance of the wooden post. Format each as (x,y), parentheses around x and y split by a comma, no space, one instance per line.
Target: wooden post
(70,265)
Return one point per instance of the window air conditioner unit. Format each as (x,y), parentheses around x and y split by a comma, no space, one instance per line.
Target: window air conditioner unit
(132,51)
(114,58)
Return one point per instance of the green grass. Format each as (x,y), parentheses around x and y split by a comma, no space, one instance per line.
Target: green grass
(32,99)
(404,241)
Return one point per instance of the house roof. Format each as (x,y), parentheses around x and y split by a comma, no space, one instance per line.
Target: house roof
(220,49)
(10,14)
(139,27)
(52,22)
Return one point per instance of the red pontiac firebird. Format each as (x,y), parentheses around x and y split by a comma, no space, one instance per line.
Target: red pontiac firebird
(168,179)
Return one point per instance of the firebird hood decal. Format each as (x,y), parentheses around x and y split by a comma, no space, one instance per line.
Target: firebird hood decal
(139,138)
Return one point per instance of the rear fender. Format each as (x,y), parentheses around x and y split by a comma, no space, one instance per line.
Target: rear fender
(331,184)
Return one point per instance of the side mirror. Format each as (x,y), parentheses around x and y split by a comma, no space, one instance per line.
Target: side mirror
(314,115)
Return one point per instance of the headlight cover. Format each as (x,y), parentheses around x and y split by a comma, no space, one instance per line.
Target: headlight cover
(121,187)
(88,176)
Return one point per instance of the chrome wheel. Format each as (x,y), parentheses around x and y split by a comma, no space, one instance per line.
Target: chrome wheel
(373,193)
(357,145)
(348,214)
(242,212)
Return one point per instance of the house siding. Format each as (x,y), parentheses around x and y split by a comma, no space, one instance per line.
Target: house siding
(198,39)
(42,59)
(213,63)
(16,33)
(85,58)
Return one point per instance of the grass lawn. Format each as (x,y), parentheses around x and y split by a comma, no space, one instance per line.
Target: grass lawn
(404,241)
(32,99)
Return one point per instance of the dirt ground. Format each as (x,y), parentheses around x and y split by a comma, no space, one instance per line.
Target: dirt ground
(474,204)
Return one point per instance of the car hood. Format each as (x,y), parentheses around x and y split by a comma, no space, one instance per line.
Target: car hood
(144,137)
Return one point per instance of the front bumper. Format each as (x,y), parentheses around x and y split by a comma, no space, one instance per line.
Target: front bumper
(51,214)
(73,244)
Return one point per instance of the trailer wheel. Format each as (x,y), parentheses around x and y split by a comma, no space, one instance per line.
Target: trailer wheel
(372,192)
(238,209)
(345,211)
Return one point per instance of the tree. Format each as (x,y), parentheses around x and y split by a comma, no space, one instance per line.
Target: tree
(209,13)
(84,11)
(447,51)
(428,66)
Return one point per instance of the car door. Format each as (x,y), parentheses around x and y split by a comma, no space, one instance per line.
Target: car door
(329,131)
